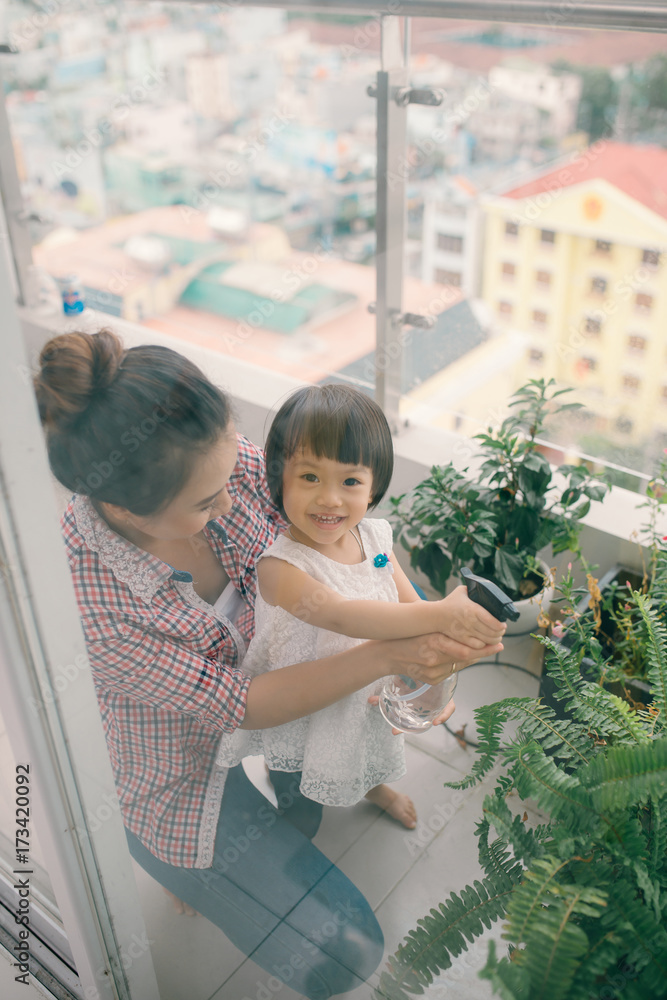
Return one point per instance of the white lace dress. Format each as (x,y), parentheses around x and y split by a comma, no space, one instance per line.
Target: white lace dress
(347,748)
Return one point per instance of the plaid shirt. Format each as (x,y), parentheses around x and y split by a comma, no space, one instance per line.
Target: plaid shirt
(165,666)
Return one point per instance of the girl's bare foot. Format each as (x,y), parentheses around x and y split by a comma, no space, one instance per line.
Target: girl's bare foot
(179,905)
(399,806)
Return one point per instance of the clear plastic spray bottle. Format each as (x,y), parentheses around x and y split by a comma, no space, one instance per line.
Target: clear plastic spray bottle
(412,708)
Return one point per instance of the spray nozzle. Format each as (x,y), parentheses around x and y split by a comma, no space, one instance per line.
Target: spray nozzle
(489,596)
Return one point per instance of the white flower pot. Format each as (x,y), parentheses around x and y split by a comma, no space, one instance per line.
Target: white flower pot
(530,607)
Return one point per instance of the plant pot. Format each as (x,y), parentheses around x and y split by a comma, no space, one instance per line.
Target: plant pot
(529,608)
(632,689)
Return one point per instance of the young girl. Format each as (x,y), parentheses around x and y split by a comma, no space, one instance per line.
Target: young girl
(328,583)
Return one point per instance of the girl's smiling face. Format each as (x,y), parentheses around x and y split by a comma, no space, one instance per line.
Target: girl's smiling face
(323,498)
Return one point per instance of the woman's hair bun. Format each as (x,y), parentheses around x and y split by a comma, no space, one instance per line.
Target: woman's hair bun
(74,368)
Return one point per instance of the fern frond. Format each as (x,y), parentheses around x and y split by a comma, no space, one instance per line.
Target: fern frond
(559,794)
(591,704)
(489,722)
(512,830)
(495,858)
(545,914)
(645,938)
(444,934)
(566,740)
(656,654)
(626,775)
(657,836)
(507,979)
(541,885)
(600,959)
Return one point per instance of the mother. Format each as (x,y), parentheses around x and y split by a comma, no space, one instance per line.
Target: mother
(170,513)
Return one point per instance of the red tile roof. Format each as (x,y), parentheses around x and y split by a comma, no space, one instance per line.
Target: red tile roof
(638,171)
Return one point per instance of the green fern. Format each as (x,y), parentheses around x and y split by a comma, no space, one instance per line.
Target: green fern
(626,774)
(444,934)
(656,654)
(601,711)
(585,894)
(512,830)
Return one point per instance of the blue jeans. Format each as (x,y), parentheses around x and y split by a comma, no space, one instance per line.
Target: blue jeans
(274,895)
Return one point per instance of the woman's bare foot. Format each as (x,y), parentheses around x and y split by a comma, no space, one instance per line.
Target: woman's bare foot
(179,905)
(399,806)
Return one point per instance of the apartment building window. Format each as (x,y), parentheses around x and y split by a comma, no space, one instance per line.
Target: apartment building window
(448,277)
(603,247)
(593,325)
(543,279)
(547,237)
(644,302)
(651,258)
(540,317)
(598,286)
(508,271)
(505,309)
(535,357)
(452,244)
(636,343)
(511,229)
(631,384)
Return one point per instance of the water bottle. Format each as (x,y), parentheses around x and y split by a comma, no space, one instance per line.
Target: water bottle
(71,292)
(412,708)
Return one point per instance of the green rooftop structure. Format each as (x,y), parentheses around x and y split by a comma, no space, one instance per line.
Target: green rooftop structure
(209,292)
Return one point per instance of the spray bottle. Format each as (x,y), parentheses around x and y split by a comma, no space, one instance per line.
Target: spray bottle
(411,708)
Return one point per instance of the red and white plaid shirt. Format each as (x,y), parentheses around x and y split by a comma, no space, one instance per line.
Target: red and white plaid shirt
(165,666)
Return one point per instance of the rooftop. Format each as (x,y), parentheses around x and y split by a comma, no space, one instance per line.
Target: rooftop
(638,171)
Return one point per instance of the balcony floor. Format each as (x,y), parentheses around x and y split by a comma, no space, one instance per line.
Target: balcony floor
(402,873)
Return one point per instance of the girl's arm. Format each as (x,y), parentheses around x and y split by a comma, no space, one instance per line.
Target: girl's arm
(288,587)
(303,688)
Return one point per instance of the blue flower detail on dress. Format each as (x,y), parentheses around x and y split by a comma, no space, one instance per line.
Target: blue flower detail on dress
(381,560)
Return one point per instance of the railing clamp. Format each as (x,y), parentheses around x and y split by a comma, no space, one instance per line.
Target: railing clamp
(412,95)
(406,319)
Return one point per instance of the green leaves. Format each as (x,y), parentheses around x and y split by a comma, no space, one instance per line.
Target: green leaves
(499,519)
(443,934)
(585,894)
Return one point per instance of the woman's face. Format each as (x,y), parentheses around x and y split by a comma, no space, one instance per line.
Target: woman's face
(203,498)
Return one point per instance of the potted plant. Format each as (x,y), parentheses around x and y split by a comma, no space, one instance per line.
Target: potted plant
(497,520)
(584,893)
(604,624)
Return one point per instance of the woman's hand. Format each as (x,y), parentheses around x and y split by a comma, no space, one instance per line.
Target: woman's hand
(467,622)
(429,659)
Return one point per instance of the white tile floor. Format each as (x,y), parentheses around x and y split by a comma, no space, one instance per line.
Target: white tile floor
(402,873)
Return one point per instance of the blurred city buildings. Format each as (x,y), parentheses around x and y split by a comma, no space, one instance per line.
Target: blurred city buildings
(202,153)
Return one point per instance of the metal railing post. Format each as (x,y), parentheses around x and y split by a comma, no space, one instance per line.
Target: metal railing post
(390,220)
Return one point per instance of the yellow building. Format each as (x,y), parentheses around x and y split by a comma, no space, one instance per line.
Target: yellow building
(577,259)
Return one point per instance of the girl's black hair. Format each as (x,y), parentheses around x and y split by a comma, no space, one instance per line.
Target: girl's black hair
(124,427)
(332,421)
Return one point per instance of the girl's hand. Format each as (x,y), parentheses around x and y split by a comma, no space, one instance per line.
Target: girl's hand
(467,622)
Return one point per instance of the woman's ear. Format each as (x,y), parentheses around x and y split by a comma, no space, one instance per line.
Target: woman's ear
(112,512)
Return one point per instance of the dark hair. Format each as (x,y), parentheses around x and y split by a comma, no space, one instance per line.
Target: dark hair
(333,421)
(124,427)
